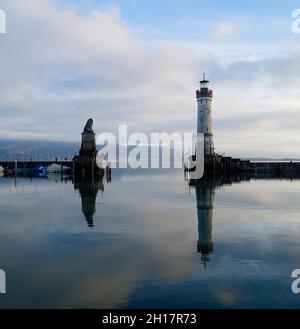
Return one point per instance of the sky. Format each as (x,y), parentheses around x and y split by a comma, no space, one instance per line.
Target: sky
(139,63)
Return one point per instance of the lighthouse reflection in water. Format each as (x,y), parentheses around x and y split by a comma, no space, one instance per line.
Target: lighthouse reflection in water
(205,190)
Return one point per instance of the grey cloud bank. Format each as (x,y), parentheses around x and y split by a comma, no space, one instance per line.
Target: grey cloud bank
(61,68)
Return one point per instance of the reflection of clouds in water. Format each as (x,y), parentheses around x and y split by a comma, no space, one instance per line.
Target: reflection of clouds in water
(146,233)
(282,195)
(112,262)
(123,273)
(243,211)
(98,272)
(227,298)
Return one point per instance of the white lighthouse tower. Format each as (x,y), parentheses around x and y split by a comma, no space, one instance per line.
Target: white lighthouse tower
(204,125)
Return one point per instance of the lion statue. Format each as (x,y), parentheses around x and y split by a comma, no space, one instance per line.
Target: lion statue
(89,126)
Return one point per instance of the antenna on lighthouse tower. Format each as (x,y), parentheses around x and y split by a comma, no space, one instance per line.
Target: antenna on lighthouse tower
(204,83)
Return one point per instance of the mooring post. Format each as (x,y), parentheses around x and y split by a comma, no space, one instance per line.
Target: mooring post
(16,167)
(61,172)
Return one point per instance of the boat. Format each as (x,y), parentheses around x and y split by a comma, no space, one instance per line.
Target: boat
(1,171)
(56,168)
(39,169)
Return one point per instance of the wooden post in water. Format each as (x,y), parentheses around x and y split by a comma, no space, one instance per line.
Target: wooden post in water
(16,167)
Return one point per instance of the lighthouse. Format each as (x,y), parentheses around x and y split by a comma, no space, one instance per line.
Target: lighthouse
(204,124)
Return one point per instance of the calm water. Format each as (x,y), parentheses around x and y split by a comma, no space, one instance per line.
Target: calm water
(147,239)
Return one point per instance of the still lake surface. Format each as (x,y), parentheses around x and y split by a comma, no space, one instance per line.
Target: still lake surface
(148,239)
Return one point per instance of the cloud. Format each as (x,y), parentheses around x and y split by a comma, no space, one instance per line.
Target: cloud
(62,67)
(224,30)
